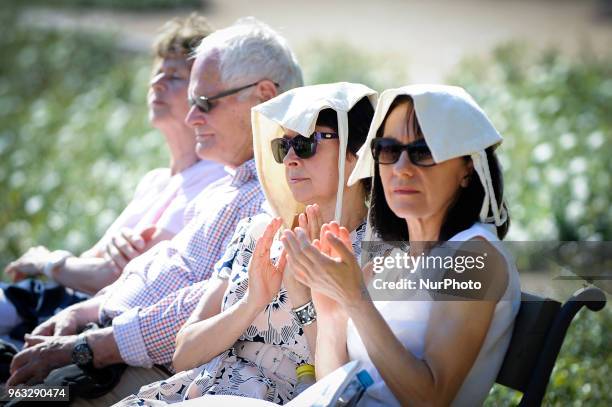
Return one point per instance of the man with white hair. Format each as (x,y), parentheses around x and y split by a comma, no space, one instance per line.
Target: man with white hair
(234,69)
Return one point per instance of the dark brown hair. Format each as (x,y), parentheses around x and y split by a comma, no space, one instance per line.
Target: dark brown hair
(359,119)
(461,215)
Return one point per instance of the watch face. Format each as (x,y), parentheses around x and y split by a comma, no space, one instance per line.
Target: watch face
(81,355)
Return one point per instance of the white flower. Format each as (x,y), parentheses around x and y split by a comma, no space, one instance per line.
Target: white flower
(580,188)
(578,165)
(556,176)
(34,204)
(542,153)
(574,210)
(56,221)
(567,141)
(595,140)
(75,239)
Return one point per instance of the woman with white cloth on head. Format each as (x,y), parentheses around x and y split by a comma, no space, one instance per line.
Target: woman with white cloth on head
(431,152)
(247,336)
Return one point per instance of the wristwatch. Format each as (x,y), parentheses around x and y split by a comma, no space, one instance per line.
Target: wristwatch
(57,259)
(82,355)
(306,314)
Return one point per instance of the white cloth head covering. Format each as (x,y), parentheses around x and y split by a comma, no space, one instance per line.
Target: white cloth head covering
(298,110)
(453,126)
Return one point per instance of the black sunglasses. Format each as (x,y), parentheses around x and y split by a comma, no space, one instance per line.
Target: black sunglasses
(204,104)
(304,147)
(388,151)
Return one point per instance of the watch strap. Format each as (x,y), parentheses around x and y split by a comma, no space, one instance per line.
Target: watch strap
(305,314)
(82,355)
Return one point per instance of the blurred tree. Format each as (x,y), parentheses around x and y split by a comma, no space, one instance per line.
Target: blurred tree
(74,141)
(112,4)
(339,61)
(74,137)
(556,118)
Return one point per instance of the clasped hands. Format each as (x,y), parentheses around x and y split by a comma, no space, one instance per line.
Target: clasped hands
(122,247)
(317,259)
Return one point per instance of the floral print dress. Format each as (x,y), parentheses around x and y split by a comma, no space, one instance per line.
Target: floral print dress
(276,329)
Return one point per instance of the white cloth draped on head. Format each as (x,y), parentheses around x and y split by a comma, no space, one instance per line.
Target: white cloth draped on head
(453,126)
(297,110)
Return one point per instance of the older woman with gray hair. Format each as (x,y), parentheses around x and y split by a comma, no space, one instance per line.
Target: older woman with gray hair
(156,212)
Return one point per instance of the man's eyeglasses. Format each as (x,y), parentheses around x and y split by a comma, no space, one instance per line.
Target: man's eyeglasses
(388,151)
(304,147)
(204,104)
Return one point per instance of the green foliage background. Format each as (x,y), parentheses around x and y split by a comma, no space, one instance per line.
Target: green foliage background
(556,117)
(119,4)
(74,137)
(74,141)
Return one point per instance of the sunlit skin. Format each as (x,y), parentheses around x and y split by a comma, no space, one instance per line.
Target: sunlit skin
(102,264)
(167,101)
(312,181)
(223,134)
(420,195)
(167,95)
(315,179)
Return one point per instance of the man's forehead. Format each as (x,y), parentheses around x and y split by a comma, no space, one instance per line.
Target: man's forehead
(205,74)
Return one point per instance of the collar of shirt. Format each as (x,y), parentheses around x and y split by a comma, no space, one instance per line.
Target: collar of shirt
(242,174)
(194,172)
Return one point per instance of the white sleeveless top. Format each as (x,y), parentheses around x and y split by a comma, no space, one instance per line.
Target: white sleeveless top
(409,320)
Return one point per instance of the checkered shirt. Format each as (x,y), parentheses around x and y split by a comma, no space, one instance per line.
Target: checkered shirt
(137,304)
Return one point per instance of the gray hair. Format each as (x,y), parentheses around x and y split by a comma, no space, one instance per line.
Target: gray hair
(249,50)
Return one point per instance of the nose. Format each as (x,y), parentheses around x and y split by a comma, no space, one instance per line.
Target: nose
(158,83)
(404,166)
(195,117)
(291,159)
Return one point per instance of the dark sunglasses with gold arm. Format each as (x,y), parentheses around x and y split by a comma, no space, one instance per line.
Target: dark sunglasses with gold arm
(203,103)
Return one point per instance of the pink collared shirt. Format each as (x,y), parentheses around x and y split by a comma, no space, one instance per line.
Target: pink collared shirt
(161,199)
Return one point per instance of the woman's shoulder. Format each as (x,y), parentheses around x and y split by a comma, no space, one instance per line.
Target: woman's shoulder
(155,179)
(156,175)
(478,229)
(481,240)
(256,221)
(253,226)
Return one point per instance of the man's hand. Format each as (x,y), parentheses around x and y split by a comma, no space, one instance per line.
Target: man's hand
(30,264)
(43,354)
(63,323)
(127,245)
